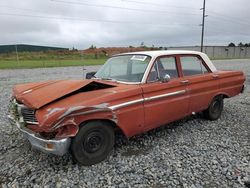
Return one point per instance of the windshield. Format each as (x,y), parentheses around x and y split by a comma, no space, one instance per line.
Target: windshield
(127,68)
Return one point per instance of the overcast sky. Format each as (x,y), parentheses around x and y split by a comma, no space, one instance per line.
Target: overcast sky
(81,23)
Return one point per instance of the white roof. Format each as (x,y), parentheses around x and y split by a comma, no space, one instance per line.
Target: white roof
(157,53)
(154,54)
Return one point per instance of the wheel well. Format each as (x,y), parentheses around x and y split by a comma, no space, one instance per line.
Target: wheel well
(221,95)
(108,122)
(225,96)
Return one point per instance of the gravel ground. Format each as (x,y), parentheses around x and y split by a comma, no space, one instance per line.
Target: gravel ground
(192,152)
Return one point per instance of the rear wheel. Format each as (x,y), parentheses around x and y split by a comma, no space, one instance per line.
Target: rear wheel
(213,112)
(93,143)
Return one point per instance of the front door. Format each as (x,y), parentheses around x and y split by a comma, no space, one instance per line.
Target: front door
(164,102)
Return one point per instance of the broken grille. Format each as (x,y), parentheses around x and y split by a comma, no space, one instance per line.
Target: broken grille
(22,113)
(28,115)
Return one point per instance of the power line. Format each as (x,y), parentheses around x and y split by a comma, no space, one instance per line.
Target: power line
(152,4)
(224,18)
(220,30)
(157,5)
(37,11)
(22,9)
(122,8)
(93,20)
(223,30)
(217,26)
(161,5)
(77,18)
(184,7)
(212,16)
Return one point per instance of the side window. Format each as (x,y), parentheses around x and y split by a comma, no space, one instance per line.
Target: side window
(163,66)
(192,65)
(168,65)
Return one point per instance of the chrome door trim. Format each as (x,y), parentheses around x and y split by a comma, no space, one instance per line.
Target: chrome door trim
(114,107)
(165,95)
(125,104)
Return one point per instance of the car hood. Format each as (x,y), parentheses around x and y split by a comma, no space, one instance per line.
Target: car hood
(36,95)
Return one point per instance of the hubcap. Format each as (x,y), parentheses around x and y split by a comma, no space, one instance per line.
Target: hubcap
(93,141)
(215,107)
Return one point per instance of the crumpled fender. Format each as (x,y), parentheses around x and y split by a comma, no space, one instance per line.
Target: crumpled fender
(66,121)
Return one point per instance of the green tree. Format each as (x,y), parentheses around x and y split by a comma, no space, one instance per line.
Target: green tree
(92,47)
(143,45)
(231,44)
(240,44)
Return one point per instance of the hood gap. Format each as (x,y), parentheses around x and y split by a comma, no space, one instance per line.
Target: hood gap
(92,86)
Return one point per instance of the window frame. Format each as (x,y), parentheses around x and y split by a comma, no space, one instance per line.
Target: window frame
(164,56)
(192,55)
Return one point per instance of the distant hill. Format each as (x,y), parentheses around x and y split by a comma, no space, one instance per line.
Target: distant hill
(109,51)
(27,48)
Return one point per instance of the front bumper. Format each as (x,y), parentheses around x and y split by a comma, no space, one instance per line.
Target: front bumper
(55,146)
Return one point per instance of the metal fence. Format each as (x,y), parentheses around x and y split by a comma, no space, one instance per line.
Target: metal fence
(219,52)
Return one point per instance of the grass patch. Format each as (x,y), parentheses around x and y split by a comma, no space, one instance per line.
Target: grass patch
(13,64)
(49,59)
(62,58)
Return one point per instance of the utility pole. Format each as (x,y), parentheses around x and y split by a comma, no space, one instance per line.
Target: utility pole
(17,58)
(203,23)
(83,67)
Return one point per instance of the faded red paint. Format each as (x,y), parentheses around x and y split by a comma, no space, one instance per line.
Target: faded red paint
(65,115)
(36,95)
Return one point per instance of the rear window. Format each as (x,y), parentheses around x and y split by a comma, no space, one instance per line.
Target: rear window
(192,65)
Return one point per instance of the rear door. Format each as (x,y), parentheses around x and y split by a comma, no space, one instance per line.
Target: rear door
(164,102)
(201,83)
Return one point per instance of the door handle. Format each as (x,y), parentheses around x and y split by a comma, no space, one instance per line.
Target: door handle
(184,81)
(215,76)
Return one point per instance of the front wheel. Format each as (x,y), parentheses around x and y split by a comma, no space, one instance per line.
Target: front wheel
(213,112)
(93,143)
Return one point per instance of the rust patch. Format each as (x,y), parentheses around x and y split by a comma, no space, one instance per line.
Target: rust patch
(72,112)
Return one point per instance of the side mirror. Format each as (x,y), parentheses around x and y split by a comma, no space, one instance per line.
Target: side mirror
(166,78)
(89,75)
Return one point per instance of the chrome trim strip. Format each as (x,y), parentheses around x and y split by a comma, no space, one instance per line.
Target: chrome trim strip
(130,83)
(32,122)
(125,104)
(165,95)
(117,81)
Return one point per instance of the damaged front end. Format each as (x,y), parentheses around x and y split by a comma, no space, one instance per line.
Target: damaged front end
(22,116)
(49,113)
